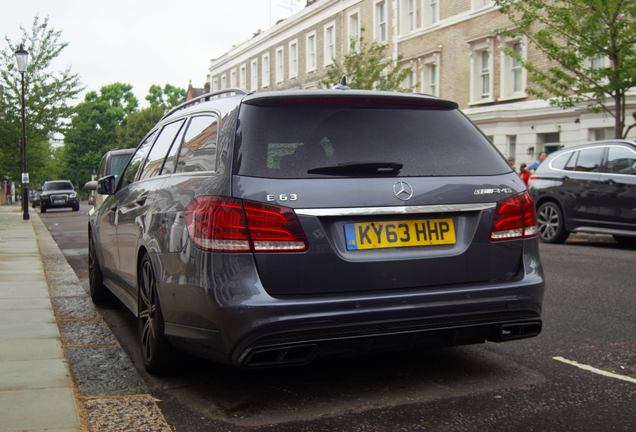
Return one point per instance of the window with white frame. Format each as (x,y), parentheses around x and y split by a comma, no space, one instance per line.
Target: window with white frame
(354,29)
(233,78)
(243,77)
(430,73)
(481,71)
(280,65)
(254,75)
(223,82)
(478,4)
(311,51)
(265,70)
(410,82)
(380,20)
(408,16)
(430,12)
(293,58)
(215,84)
(330,42)
(513,74)
(512,146)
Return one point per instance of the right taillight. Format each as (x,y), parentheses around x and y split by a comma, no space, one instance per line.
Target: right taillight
(234,225)
(515,218)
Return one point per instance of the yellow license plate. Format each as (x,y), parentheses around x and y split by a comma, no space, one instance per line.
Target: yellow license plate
(390,234)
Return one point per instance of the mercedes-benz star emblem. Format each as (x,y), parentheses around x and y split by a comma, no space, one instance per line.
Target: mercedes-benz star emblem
(403,190)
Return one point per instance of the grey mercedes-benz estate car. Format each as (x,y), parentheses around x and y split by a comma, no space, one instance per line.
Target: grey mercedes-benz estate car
(266,229)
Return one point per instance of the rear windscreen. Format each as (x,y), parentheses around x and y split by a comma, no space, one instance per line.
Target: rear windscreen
(287,141)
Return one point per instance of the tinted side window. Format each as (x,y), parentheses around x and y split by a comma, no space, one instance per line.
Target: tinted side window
(198,151)
(621,160)
(169,164)
(160,149)
(571,165)
(590,160)
(137,159)
(559,162)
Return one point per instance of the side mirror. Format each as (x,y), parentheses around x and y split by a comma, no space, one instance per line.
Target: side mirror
(106,185)
(91,185)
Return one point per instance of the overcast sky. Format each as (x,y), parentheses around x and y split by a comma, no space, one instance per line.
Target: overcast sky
(144,42)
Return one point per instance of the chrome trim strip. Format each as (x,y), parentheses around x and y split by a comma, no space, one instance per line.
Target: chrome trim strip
(610,231)
(365,211)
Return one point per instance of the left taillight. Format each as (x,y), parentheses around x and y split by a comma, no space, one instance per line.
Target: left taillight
(233,225)
(515,218)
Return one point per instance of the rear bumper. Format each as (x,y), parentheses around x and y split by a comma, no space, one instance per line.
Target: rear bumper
(233,319)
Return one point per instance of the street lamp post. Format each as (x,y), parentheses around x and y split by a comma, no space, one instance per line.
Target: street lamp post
(22,58)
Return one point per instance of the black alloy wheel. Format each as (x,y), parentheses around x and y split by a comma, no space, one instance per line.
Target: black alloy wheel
(97,290)
(551,223)
(155,348)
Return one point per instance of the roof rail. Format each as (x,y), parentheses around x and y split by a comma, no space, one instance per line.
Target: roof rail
(204,98)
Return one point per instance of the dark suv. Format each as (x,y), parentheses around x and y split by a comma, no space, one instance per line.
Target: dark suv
(265,229)
(58,194)
(589,188)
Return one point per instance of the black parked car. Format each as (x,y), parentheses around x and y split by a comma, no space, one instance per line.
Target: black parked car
(589,188)
(58,194)
(265,229)
(113,163)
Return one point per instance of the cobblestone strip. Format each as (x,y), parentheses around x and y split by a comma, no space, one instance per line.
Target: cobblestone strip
(110,393)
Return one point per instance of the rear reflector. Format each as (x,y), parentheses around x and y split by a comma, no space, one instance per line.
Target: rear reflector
(234,225)
(515,218)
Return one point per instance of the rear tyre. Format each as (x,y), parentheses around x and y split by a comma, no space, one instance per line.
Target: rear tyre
(42,209)
(551,223)
(625,240)
(96,288)
(76,207)
(155,348)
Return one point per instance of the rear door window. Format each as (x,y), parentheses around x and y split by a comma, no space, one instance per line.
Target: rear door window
(590,160)
(198,150)
(159,150)
(287,141)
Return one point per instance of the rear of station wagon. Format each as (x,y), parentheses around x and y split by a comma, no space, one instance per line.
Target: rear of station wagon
(266,229)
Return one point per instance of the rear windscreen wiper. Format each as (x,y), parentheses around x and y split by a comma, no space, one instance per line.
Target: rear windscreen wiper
(354,168)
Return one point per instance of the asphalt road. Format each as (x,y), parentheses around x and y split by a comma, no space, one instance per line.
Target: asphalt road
(537,384)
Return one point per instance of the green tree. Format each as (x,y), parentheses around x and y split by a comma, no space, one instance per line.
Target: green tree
(166,98)
(591,46)
(136,125)
(366,67)
(47,94)
(93,129)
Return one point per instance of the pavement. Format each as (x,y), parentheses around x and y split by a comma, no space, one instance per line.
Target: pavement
(61,368)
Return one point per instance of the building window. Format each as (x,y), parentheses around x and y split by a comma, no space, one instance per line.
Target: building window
(513,74)
(380,21)
(354,29)
(484,75)
(265,70)
(408,16)
(602,134)
(223,82)
(254,75)
(233,78)
(478,4)
(430,73)
(481,76)
(215,84)
(243,77)
(293,58)
(430,12)
(311,52)
(330,43)
(280,68)
(512,146)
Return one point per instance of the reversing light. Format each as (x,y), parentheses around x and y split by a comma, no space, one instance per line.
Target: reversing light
(515,217)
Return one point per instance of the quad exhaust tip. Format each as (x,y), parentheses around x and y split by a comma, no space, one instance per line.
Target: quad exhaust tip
(280,356)
(519,330)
